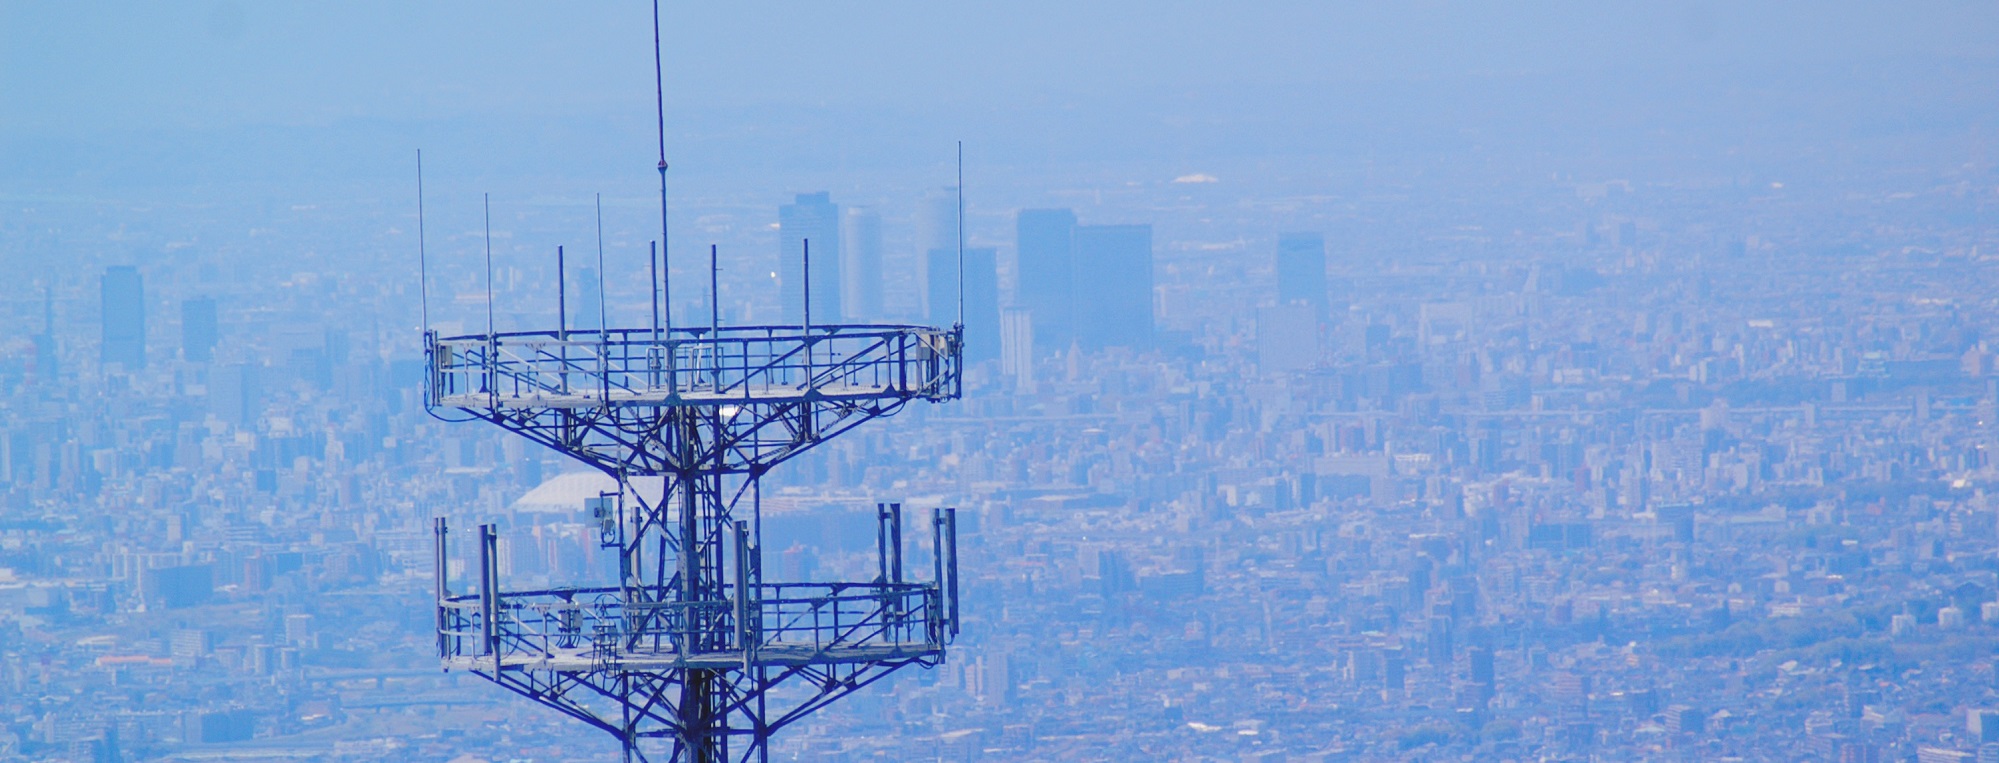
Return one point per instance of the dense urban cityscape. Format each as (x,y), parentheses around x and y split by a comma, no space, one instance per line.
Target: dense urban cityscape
(1464,456)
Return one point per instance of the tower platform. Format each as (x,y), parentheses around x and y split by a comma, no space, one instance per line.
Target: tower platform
(693,656)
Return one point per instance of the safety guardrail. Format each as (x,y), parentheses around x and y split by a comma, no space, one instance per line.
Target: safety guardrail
(812,622)
(749,364)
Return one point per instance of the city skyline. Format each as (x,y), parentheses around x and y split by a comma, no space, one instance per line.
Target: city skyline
(1441,382)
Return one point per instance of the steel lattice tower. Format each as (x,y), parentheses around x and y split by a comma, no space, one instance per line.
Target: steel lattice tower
(691,648)
(692,656)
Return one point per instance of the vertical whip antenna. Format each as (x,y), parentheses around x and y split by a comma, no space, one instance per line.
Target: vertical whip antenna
(422,257)
(562,310)
(659,103)
(603,312)
(561,296)
(487,202)
(715,325)
(960,232)
(492,340)
(654,254)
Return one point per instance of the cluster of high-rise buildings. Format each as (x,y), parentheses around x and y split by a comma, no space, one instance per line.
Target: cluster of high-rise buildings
(1647,472)
(1085,285)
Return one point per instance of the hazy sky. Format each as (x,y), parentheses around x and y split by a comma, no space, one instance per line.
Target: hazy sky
(101,89)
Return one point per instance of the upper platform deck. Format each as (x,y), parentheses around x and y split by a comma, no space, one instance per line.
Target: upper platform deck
(732,366)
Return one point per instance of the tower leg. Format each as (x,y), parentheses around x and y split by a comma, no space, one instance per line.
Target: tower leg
(700,735)
(628,735)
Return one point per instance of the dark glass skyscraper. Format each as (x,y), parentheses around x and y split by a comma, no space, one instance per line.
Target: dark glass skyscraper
(1301,270)
(814,217)
(1113,285)
(1044,240)
(124,295)
(982,312)
(199,331)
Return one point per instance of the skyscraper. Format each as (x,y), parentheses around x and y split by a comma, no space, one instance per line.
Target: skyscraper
(124,294)
(861,265)
(199,332)
(45,342)
(1044,243)
(937,220)
(812,217)
(982,313)
(1113,266)
(936,229)
(1301,270)
(1017,348)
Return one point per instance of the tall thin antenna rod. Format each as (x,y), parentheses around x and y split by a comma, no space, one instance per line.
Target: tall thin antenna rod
(961,233)
(808,286)
(487,201)
(603,311)
(562,307)
(654,248)
(659,102)
(422,257)
(715,324)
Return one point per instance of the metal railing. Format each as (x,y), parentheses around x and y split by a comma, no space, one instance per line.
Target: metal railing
(794,622)
(750,364)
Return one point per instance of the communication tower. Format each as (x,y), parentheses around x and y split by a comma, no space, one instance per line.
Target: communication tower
(692,655)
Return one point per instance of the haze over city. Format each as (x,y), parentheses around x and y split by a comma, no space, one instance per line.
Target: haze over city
(1432,381)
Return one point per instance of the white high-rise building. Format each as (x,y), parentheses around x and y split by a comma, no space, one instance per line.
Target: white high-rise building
(861,264)
(1017,348)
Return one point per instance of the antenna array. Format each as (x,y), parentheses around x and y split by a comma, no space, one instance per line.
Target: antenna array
(692,655)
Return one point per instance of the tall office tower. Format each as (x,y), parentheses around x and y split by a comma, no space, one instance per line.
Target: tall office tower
(861,264)
(1113,283)
(124,295)
(937,220)
(199,332)
(812,217)
(45,343)
(1044,242)
(1301,270)
(982,313)
(1017,348)
(936,228)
